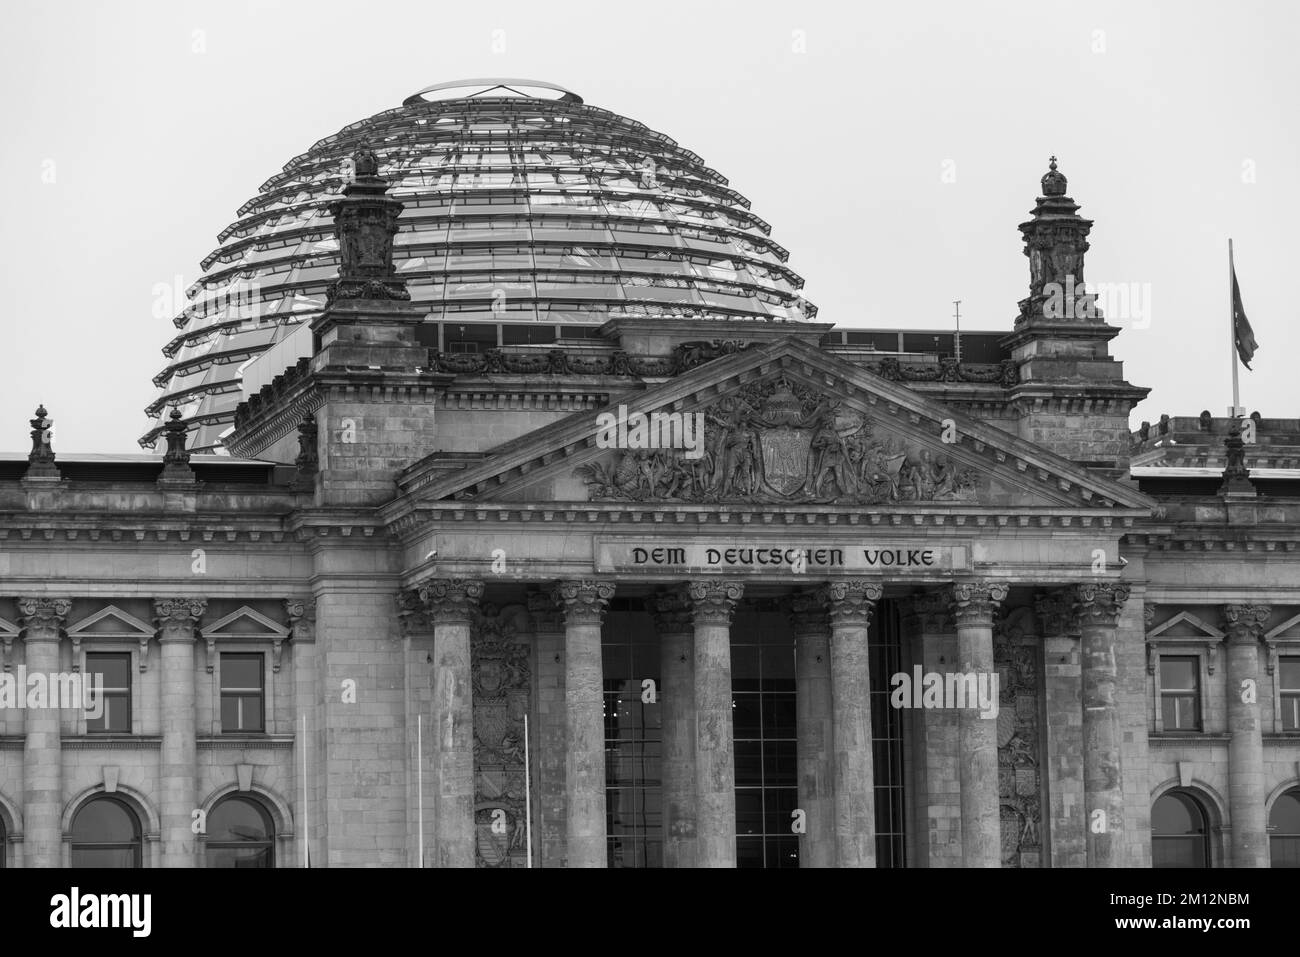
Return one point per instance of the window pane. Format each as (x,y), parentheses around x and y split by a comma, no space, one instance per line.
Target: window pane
(1285,817)
(241,671)
(115,668)
(1178,674)
(238,819)
(238,856)
(1174,814)
(104,857)
(229,713)
(1288,674)
(105,821)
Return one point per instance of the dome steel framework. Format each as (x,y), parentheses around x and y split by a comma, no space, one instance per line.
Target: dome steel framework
(523,205)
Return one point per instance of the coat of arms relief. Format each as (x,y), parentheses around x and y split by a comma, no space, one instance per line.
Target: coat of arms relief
(779,442)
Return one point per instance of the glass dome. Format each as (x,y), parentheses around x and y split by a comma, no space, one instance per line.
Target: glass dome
(523,207)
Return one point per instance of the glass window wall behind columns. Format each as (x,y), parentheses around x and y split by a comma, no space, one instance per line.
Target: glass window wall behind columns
(763,712)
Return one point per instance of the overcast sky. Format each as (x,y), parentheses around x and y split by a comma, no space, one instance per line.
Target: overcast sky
(893,147)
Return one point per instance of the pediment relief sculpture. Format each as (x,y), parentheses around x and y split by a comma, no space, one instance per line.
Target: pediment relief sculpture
(780,442)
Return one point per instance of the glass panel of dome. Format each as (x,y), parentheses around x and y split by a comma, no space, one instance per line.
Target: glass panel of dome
(661,294)
(642,237)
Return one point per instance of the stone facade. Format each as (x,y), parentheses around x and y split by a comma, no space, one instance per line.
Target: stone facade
(424,559)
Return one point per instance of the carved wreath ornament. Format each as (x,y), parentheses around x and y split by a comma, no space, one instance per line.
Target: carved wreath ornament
(779,442)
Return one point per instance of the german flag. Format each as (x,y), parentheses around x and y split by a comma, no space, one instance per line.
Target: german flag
(1243,335)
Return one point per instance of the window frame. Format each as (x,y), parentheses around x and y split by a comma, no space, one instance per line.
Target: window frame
(1197,693)
(128,693)
(241,692)
(1293,793)
(1207,825)
(269,818)
(136,845)
(1280,650)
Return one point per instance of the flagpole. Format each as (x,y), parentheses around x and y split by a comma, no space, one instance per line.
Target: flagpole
(1232,330)
(528,799)
(419,783)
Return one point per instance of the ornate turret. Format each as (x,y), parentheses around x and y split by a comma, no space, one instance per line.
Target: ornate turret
(1070,396)
(1056,239)
(365,221)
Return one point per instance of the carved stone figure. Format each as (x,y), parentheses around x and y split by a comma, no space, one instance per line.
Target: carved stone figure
(777,441)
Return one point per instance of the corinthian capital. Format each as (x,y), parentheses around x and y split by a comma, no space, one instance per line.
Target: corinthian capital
(1055,612)
(712,602)
(672,612)
(927,613)
(1244,624)
(974,602)
(850,602)
(807,614)
(583,601)
(177,618)
(451,601)
(41,619)
(1099,603)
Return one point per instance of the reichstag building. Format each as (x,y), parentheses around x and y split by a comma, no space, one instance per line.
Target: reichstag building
(506,504)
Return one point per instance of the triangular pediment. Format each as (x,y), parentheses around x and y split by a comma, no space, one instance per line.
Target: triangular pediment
(8,628)
(1185,625)
(1288,630)
(244,622)
(111,622)
(784,424)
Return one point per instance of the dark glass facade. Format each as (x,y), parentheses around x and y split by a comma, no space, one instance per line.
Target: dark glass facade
(763,731)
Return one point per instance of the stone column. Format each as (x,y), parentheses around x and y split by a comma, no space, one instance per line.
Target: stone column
(41,621)
(814,729)
(672,616)
(550,822)
(1244,626)
(583,604)
(973,605)
(451,604)
(928,626)
(712,604)
(177,621)
(850,604)
(1097,606)
(1067,821)
(308,819)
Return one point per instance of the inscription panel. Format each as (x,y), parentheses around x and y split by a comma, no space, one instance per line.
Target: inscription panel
(758,557)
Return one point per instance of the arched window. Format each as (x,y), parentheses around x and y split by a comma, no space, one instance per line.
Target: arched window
(1179,832)
(240,834)
(4,843)
(1284,828)
(106,833)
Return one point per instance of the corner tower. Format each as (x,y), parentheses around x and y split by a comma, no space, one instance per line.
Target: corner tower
(1071,396)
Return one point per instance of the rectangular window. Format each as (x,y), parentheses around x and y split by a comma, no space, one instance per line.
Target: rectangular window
(241,693)
(1288,689)
(1180,694)
(113,672)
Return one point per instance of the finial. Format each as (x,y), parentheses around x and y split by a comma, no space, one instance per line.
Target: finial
(1053,181)
(176,460)
(365,221)
(40,461)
